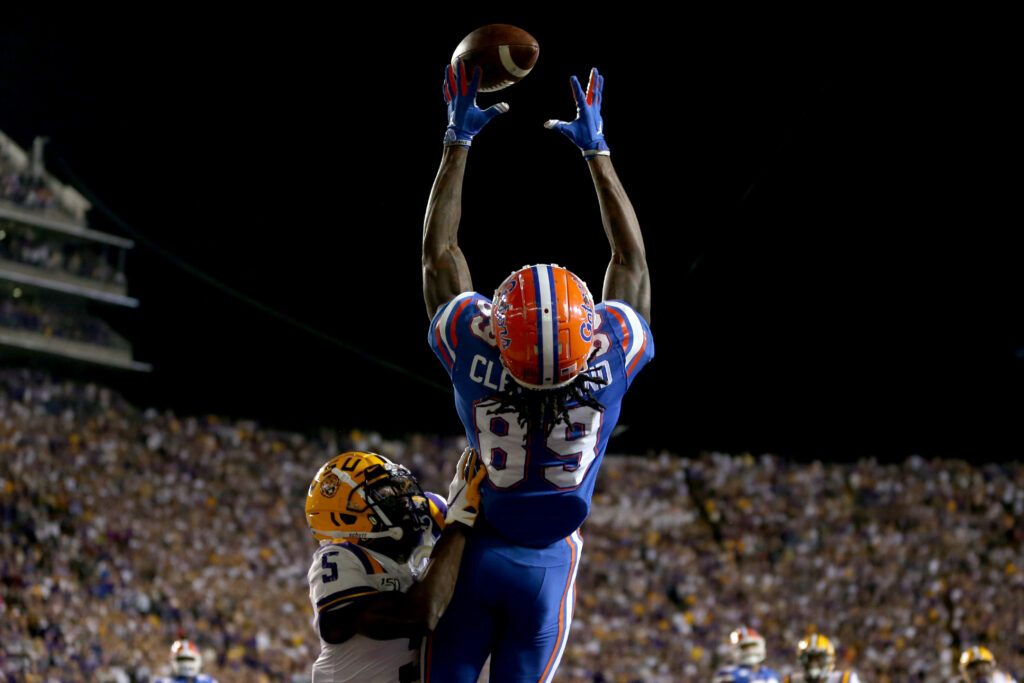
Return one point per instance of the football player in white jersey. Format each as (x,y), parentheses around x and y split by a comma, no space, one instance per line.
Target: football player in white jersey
(817,663)
(978,665)
(186,664)
(748,651)
(377,582)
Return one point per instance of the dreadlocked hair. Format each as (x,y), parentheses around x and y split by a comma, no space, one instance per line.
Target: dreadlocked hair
(545,408)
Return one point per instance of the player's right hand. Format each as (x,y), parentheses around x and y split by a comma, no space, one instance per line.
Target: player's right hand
(465,119)
(587,131)
(464,491)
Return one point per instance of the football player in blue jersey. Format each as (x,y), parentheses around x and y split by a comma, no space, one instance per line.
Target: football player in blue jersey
(186,664)
(539,373)
(748,651)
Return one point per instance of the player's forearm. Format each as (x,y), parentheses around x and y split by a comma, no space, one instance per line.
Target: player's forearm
(430,595)
(445,271)
(627,278)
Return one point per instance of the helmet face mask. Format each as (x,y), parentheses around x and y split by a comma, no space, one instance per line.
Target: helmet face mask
(748,646)
(817,656)
(977,665)
(186,659)
(365,498)
(543,318)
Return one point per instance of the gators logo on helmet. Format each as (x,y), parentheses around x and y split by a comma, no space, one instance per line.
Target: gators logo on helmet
(543,316)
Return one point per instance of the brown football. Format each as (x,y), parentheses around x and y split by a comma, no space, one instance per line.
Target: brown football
(505,53)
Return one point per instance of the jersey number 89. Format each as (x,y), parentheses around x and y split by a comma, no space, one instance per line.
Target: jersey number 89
(506,453)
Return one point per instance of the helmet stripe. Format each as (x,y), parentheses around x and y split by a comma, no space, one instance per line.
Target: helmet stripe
(547,336)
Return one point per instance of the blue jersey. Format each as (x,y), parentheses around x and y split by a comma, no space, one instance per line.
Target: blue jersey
(538,489)
(744,674)
(200,678)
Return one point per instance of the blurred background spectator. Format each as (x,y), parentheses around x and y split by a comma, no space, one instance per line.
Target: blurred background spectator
(123,530)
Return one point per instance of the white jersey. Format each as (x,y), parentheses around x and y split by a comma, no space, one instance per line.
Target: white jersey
(1002,677)
(341,573)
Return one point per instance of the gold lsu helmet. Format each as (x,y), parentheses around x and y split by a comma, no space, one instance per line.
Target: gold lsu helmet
(817,656)
(365,498)
(976,662)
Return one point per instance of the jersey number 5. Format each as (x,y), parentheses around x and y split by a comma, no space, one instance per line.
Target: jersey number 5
(506,454)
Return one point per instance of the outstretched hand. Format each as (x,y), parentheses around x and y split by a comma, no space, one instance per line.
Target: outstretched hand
(464,491)
(465,119)
(587,131)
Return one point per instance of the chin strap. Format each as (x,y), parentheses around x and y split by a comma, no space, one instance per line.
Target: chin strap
(394,532)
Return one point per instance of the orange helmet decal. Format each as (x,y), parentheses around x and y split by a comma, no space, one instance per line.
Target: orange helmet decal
(543,319)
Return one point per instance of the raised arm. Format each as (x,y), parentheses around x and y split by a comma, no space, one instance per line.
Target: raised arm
(627,278)
(445,271)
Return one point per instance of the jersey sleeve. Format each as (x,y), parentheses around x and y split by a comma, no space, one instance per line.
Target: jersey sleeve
(438,511)
(341,573)
(453,323)
(630,331)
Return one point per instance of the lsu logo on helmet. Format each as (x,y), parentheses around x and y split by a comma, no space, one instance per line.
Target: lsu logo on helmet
(330,484)
(544,320)
(365,498)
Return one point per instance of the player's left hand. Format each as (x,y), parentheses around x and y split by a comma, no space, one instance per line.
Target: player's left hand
(465,119)
(587,131)
(464,491)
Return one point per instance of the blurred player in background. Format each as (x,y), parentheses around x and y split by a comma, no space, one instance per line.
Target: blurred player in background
(539,376)
(186,664)
(978,665)
(817,658)
(377,582)
(748,651)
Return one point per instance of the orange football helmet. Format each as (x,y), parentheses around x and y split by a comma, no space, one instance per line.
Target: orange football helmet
(186,660)
(543,319)
(748,646)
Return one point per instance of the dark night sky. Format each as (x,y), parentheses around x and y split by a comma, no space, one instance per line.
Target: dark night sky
(816,288)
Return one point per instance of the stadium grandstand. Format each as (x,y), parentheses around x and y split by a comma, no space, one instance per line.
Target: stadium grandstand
(57,275)
(124,529)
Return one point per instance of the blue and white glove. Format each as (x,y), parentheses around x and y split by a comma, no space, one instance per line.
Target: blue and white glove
(587,131)
(464,491)
(465,119)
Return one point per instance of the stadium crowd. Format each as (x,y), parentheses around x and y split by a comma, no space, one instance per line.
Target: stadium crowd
(123,530)
(54,252)
(51,321)
(24,190)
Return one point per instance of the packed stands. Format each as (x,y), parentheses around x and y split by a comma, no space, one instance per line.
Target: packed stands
(59,278)
(124,529)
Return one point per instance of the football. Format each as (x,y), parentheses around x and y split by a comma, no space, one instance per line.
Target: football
(504,53)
